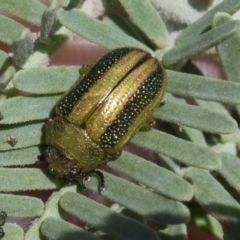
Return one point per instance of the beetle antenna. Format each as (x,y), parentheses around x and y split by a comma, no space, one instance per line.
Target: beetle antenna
(85,177)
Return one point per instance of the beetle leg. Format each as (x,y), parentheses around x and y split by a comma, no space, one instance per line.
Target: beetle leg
(147,124)
(85,177)
(3,217)
(2,233)
(102,180)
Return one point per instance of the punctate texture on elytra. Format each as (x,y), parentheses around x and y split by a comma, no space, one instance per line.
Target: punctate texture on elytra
(112,100)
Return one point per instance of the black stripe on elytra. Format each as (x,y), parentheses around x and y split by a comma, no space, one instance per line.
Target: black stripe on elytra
(101,67)
(143,96)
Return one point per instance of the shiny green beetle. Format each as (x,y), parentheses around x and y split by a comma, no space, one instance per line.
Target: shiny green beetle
(113,99)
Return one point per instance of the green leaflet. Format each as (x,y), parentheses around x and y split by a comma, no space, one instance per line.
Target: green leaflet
(149,174)
(13,231)
(17,179)
(230,169)
(148,20)
(152,206)
(46,80)
(54,228)
(25,156)
(25,135)
(112,38)
(30,11)
(204,23)
(18,206)
(189,85)
(115,224)
(9,29)
(25,109)
(199,44)
(182,151)
(196,117)
(212,196)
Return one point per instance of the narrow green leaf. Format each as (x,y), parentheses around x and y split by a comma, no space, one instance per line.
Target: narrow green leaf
(213,225)
(195,136)
(92,29)
(6,77)
(196,117)
(202,5)
(225,147)
(22,47)
(146,18)
(43,52)
(182,151)
(30,11)
(19,157)
(115,224)
(48,20)
(238,109)
(122,24)
(23,179)
(5,60)
(9,29)
(157,178)
(51,210)
(13,232)
(212,196)
(144,202)
(46,80)
(230,169)
(189,85)
(220,18)
(171,97)
(56,229)
(199,44)
(174,232)
(227,51)
(25,109)
(190,134)
(195,29)
(203,221)
(21,206)
(25,135)
(170,164)
(212,106)
(75,3)
(232,138)
(177,11)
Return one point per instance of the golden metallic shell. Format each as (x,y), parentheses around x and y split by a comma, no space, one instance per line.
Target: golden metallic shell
(112,100)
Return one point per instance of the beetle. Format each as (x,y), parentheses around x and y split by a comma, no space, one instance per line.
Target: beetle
(112,100)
